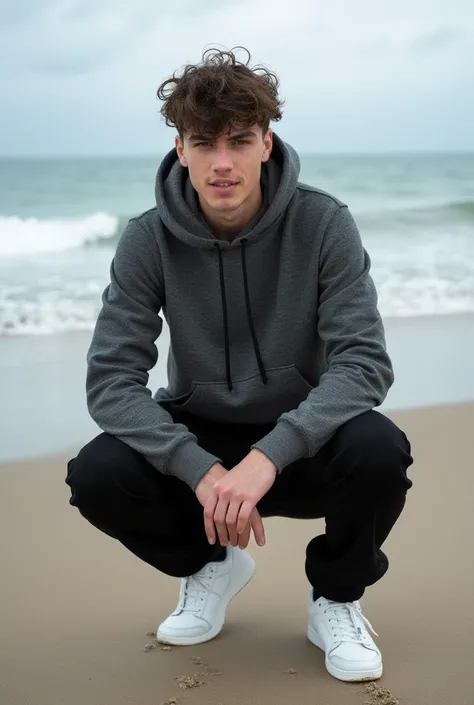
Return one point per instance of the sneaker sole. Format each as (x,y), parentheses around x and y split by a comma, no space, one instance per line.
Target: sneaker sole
(217,628)
(348,676)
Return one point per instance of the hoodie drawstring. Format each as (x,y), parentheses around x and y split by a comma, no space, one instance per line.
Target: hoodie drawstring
(261,367)
(226,322)
(258,356)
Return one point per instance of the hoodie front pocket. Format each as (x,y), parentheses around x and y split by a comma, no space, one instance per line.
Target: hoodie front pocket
(250,401)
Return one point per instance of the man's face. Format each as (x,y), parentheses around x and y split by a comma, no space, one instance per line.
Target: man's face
(225,171)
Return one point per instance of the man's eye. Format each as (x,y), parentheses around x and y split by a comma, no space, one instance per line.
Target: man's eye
(209,144)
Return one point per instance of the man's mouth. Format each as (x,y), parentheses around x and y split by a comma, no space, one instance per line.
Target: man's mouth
(224,186)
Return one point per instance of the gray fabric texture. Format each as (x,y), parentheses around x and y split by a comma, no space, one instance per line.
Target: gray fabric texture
(317,330)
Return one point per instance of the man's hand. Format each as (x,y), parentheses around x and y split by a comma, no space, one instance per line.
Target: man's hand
(231,504)
(204,490)
(206,484)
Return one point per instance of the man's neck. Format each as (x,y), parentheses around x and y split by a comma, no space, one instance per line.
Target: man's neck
(227,228)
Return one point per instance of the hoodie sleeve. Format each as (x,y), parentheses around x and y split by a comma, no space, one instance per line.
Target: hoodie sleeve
(122,353)
(359,371)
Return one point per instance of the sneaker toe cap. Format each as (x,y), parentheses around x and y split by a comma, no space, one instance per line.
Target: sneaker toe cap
(174,626)
(355,658)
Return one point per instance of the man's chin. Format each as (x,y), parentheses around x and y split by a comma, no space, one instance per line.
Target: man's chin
(224,204)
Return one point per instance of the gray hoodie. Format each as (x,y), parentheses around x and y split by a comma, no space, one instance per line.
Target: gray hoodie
(279,327)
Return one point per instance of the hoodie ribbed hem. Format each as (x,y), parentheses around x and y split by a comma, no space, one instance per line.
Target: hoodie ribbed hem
(190,462)
(283,445)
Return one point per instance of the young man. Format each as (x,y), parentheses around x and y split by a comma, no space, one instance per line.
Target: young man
(277,360)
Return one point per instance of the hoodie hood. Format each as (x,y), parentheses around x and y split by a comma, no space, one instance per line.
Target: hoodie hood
(178,206)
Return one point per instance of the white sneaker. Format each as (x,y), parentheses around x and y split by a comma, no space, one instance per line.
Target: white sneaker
(340,630)
(203,599)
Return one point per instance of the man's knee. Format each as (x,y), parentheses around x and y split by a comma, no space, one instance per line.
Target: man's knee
(91,475)
(378,451)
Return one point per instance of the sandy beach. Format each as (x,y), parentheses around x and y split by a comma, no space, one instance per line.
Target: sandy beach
(76,607)
(120,122)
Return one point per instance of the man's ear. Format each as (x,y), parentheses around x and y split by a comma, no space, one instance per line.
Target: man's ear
(180,151)
(267,145)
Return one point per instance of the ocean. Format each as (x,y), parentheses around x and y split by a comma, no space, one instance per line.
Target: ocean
(60,220)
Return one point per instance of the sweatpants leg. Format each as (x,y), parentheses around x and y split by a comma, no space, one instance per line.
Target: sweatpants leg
(155,516)
(358,482)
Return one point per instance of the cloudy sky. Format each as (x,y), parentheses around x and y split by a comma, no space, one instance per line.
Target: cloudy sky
(80,76)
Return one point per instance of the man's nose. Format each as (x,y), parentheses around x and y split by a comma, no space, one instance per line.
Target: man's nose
(222,160)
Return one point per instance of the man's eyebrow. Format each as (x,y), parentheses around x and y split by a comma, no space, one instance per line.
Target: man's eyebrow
(195,138)
(204,138)
(247,133)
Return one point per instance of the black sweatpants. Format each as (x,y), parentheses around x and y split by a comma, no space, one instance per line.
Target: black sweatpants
(357,482)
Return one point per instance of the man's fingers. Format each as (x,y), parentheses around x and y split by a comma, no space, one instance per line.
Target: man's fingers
(250,519)
(244,537)
(209,510)
(257,526)
(231,522)
(220,519)
(244,516)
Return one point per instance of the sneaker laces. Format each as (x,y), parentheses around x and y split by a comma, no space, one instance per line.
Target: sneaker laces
(349,623)
(195,588)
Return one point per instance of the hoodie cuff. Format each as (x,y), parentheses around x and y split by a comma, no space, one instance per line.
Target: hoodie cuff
(283,445)
(190,462)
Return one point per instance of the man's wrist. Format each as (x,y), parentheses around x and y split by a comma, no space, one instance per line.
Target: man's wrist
(214,473)
(263,459)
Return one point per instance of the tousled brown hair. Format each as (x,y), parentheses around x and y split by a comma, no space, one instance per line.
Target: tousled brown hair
(220,94)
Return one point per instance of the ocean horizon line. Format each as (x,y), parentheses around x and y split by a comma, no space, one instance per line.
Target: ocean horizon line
(150,155)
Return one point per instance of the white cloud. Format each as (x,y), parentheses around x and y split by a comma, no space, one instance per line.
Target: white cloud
(357,74)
